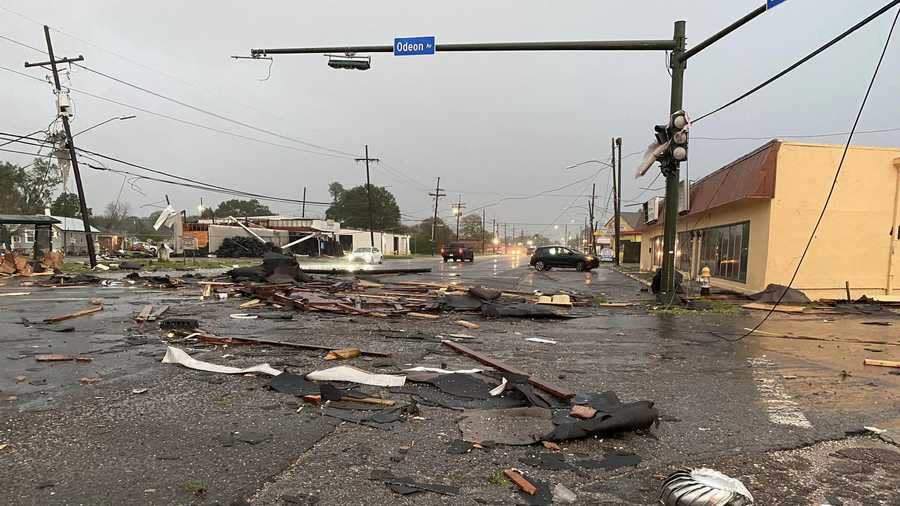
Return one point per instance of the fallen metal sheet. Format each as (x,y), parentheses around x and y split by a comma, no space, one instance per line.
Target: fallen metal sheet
(355,375)
(178,356)
(560,392)
(516,426)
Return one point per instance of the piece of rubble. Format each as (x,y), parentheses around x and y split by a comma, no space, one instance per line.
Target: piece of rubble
(355,375)
(53,357)
(342,354)
(703,487)
(178,356)
(519,479)
(76,314)
(583,412)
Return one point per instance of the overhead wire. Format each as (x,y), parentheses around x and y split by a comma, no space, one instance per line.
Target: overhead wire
(834,181)
(801,61)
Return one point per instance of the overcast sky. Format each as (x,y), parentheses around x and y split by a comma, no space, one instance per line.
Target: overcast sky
(491,125)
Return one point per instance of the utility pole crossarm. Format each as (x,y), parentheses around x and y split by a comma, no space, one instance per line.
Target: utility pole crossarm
(567,45)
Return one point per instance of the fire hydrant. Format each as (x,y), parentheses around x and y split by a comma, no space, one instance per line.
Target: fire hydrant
(703,278)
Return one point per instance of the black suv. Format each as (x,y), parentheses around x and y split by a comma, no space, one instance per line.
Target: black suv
(548,257)
(458,251)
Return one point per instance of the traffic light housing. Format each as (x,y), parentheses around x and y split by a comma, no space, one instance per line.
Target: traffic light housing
(678,137)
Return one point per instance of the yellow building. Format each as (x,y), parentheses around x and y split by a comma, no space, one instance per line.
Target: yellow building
(750,221)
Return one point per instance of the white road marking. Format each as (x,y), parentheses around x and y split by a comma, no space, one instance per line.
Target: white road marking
(782,409)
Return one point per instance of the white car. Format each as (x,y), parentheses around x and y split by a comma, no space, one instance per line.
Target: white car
(367,255)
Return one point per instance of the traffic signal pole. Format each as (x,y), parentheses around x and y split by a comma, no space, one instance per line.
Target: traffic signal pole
(670,170)
(678,62)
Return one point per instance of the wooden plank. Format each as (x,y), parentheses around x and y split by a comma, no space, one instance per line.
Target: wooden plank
(14,294)
(778,309)
(882,363)
(424,315)
(254,340)
(62,358)
(145,313)
(557,391)
(76,314)
(468,325)
(316,399)
(520,481)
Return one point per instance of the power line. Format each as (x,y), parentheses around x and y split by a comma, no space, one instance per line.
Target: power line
(797,136)
(834,181)
(803,60)
(180,120)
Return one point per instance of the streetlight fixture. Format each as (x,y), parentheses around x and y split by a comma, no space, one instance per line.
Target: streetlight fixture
(120,118)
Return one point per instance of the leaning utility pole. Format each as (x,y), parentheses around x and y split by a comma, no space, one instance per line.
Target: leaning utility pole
(70,144)
(670,171)
(303,209)
(369,194)
(437,195)
(618,203)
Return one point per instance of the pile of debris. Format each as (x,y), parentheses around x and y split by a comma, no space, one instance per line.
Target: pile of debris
(17,265)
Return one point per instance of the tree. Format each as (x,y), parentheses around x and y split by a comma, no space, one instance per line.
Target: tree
(242,208)
(38,184)
(351,207)
(470,227)
(207,213)
(67,205)
(115,217)
(11,198)
(421,235)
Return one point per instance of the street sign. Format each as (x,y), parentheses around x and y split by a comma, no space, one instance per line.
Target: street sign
(773,3)
(412,46)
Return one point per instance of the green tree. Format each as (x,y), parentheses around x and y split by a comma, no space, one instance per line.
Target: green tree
(242,208)
(67,205)
(470,227)
(11,198)
(37,186)
(351,207)
(207,213)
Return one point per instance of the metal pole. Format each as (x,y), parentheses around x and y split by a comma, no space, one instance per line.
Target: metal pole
(369,195)
(723,32)
(437,195)
(615,207)
(494,234)
(92,254)
(670,170)
(458,214)
(618,201)
(303,209)
(574,45)
(593,247)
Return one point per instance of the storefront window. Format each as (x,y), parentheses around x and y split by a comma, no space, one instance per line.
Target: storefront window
(684,251)
(724,250)
(656,251)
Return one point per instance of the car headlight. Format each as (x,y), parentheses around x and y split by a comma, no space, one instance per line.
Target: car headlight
(590,258)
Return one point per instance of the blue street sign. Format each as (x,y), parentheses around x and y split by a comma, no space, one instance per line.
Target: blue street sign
(410,46)
(773,3)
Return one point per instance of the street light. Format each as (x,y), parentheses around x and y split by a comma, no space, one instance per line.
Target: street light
(120,118)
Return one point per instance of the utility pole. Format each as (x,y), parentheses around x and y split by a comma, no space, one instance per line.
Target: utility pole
(369,194)
(670,170)
(70,144)
(618,203)
(457,210)
(493,235)
(505,240)
(593,248)
(303,209)
(437,195)
(483,226)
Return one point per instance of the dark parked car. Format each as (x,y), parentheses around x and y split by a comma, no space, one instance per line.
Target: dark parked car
(457,251)
(548,257)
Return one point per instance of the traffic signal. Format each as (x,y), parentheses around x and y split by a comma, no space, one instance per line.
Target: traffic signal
(678,137)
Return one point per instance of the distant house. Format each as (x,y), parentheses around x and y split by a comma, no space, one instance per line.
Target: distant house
(66,235)
(630,223)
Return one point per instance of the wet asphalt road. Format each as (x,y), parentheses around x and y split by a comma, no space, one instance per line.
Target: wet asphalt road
(750,408)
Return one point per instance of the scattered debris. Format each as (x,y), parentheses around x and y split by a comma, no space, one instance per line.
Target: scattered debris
(253,340)
(519,479)
(140,390)
(145,313)
(540,340)
(343,354)
(550,445)
(62,358)
(90,381)
(583,412)
(76,314)
(14,294)
(468,325)
(406,486)
(562,495)
(178,356)
(424,315)
(537,382)
(354,375)
(703,487)
(780,308)
(773,293)
(185,324)
(20,379)
(555,300)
